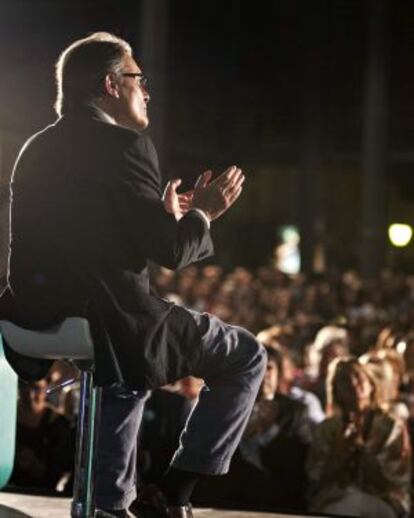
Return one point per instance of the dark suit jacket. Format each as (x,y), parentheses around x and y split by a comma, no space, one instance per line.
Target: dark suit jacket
(87,215)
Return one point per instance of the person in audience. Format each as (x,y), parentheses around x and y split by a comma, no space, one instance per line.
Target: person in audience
(330,342)
(287,372)
(359,462)
(386,368)
(63,380)
(44,441)
(406,345)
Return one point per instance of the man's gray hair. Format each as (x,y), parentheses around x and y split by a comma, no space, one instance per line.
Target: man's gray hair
(82,67)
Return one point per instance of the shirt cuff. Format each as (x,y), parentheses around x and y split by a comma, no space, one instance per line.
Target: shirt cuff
(203,215)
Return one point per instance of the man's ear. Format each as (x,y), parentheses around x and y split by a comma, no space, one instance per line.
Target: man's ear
(111,85)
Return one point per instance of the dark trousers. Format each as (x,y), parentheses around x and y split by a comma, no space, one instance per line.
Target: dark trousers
(232,366)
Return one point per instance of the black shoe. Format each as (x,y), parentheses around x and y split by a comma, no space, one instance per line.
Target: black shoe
(145,510)
(151,503)
(114,513)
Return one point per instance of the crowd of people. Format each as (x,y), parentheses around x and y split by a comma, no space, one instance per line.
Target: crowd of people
(332,427)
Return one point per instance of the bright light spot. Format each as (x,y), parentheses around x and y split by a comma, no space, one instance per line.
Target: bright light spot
(400,234)
(401,347)
(290,234)
(287,254)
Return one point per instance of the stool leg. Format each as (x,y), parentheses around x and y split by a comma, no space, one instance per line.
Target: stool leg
(83,504)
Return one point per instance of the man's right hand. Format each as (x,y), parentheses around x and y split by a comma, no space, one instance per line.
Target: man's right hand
(215,197)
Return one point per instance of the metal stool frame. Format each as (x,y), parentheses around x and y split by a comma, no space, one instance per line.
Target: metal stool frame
(83,503)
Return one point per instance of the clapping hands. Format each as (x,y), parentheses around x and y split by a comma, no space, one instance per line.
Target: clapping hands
(216,196)
(213,197)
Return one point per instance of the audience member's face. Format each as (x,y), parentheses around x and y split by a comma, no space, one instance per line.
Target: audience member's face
(335,350)
(356,391)
(133,98)
(34,394)
(270,380)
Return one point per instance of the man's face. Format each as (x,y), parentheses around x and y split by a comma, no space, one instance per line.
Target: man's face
(133,97)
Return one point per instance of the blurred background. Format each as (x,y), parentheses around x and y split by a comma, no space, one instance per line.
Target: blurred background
(313,99)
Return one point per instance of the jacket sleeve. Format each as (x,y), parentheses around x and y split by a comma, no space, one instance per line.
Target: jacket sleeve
(152,232)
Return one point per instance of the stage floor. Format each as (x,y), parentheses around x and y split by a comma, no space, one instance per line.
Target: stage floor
(27,506)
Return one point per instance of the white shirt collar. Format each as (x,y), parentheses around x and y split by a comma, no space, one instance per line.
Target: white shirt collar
(103,114)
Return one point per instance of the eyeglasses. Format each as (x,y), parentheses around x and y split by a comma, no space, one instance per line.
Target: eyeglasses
(142,78)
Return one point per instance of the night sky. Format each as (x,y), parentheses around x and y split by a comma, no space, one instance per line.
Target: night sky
(254,83)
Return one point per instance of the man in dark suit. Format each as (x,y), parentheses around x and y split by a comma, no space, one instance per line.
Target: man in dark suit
(87,214)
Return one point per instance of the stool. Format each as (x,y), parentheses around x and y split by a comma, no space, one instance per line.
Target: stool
(70,340)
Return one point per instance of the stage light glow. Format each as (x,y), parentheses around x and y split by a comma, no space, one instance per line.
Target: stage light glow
(400,234)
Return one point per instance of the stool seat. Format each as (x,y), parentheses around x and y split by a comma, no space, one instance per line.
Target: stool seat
(71,339)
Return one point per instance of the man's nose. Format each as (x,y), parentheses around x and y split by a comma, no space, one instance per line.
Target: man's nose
(147,96)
